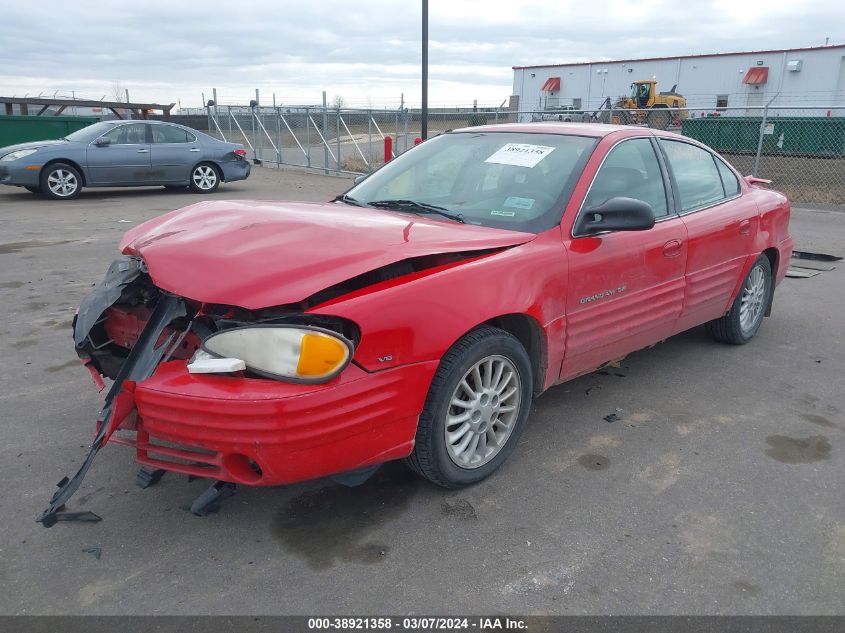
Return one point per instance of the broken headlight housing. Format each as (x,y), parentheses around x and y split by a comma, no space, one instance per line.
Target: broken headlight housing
(295,353)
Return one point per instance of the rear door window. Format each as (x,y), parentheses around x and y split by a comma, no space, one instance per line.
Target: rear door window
(171,134)
(696,176)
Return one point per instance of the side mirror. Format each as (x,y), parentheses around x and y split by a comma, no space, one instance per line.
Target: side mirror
(103,141)
(359,179)
(616,214)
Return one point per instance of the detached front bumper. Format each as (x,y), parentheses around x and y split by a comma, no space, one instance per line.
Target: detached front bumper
(264,432)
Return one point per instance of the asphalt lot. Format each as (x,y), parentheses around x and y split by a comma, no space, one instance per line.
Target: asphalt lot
(719,491)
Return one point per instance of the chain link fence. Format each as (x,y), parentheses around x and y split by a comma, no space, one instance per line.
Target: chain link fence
(801,150)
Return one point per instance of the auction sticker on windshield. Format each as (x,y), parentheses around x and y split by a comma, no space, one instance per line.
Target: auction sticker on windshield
(520,154)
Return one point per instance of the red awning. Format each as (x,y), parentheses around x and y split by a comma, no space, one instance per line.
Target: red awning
(552,85)
(756,76)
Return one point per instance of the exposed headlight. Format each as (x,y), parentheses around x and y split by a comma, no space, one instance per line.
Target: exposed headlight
(16,155)
(287,352)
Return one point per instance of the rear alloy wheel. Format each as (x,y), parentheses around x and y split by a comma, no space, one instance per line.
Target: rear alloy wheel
(475,410)
(60,182)
(744,318)
(204,178)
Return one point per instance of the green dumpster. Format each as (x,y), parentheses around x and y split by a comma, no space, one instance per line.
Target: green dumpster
(20,129)
(792,136)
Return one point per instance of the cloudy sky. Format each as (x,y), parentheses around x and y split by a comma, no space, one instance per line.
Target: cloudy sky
(368,51)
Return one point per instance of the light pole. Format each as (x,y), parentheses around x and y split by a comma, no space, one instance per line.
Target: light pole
(424,108)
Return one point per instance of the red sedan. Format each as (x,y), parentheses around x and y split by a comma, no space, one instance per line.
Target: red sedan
(416,316)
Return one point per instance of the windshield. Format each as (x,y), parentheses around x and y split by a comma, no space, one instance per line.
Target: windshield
(89,133)
(508,180)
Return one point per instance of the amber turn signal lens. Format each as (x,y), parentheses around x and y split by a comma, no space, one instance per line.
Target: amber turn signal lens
(320,355)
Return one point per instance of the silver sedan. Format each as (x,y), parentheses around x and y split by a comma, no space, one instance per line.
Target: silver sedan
(123,154)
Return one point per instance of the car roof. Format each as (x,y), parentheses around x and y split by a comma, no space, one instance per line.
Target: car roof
(597,130)
(152,121)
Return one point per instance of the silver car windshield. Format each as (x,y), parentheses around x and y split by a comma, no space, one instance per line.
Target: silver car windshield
(511,180)
(89,133)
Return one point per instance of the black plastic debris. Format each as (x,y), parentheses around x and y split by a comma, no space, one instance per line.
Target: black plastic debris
(612,418)
(82,517)
(210,500)
(147,477)
(96,552)
(819,257)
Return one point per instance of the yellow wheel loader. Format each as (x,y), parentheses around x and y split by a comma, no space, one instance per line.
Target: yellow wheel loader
(644,105)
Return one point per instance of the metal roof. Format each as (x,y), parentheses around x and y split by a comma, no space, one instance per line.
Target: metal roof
(654,59)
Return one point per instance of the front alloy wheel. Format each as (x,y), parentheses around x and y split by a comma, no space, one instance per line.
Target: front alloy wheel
(204,178)
(475,410)
(61,182)
(482,411)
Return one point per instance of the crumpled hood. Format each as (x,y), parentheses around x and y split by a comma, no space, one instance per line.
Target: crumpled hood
(257,254)
(31,145)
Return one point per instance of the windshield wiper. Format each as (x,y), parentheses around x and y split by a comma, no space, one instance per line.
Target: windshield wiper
(419,207)
(349,200)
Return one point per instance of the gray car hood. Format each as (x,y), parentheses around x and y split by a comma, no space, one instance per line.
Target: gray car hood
(33,145)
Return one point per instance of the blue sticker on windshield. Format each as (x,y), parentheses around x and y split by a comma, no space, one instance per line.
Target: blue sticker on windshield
(519,203)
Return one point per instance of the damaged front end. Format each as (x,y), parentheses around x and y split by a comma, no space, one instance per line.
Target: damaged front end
(124,330)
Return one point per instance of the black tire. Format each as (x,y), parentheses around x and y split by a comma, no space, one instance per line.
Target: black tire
(431,458)
(729,328)
(205,178)
(659,119)
(33,189)
(60,181)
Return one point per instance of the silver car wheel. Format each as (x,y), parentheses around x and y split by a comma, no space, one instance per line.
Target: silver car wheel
(62,183)
(753,299)
(205,177)
(483,411)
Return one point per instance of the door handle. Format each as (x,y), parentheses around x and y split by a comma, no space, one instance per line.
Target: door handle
(672,248)
(143,151)
(194,149)
(745,227)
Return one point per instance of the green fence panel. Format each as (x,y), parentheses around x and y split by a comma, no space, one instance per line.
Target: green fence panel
(21,129)
(792,136)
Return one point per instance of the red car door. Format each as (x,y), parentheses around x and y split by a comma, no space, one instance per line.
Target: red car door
(721,225)
(625,288)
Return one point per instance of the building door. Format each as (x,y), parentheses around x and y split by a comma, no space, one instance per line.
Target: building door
(754,101)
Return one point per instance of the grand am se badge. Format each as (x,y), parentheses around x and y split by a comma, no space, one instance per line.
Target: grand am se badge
(601,295)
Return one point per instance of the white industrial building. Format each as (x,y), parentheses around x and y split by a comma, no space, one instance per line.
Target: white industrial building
(812,78)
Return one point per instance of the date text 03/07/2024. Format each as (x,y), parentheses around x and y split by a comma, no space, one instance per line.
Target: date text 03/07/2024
(417,623)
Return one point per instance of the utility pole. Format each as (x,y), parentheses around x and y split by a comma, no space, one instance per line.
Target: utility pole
(424,109)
